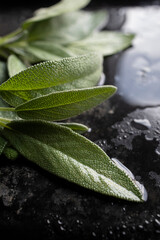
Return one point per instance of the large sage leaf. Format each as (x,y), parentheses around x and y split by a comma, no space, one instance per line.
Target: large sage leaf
(68,27)
(69,155)
(15,65)
(105,42)
(42,78)
(62,7)
(65,104)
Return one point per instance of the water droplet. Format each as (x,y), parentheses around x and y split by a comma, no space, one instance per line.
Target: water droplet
(157,151)
(102,80)
(48,221)
(89,130)
(125,136)
(122,167)
(143,190)
(141,124)
(157,222)
(62,228)
(140,226)
(93,234)
(59,222)
(146,221)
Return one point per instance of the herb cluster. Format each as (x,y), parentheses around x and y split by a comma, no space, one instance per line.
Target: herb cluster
(54,63)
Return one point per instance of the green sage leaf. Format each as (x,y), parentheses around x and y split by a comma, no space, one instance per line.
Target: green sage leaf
(105,42)
(63,105)
(45,77)
(15,65)
(47,51)
(10,153)
(62,7)
(71,156)
(68,27)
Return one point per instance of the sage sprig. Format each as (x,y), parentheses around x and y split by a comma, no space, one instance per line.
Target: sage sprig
(36,98)
(55,146)
(67,31)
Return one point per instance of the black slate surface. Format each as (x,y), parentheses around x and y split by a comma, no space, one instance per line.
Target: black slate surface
(37,205)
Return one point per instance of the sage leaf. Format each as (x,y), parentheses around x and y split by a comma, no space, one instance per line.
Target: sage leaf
(65,104)
(11,37)
(68,27)
(105,42)
(71,156)
(47,51)
(15,65)
(62,7)
(42,78)
(10,153)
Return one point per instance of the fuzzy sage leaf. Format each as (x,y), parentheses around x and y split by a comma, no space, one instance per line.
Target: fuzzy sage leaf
(48,77)
(68,27)
(63,105)
(15,65)
(54,148)
(105,42)
(60,8)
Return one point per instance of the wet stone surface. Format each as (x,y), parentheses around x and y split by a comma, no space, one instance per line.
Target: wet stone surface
(37,205)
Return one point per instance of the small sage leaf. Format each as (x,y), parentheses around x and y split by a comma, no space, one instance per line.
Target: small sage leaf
(62,7)
(47,51)
(30,83)
(63,105)
(68,27)
(10,153)
(105,42)
(69,155)
(15,65)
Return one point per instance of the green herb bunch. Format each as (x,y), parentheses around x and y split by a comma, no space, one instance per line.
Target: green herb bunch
(36,98)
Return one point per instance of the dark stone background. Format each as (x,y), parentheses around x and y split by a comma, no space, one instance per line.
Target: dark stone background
(37,205)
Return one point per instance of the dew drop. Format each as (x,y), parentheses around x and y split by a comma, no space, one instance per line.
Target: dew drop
(157,151)
(62,228)
(130,174)
(140,226)
(157,222)
(59,222)
(93,234)
(122,167)
(102,80)
(142,124)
